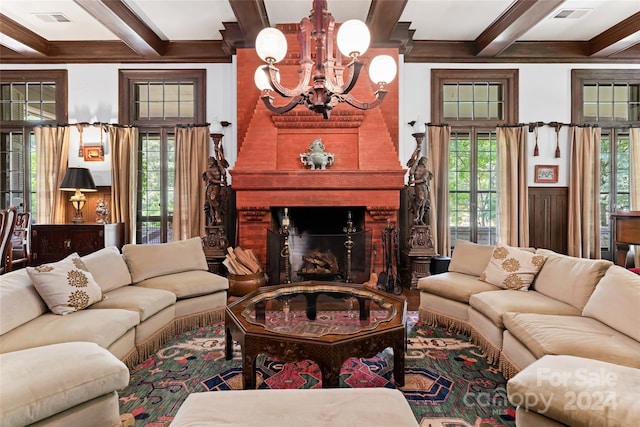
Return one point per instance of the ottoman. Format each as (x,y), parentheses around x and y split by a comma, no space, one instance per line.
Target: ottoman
(330,407)
(68,384)
(575,391)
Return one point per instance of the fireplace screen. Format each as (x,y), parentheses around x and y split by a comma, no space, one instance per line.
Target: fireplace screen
(321,257)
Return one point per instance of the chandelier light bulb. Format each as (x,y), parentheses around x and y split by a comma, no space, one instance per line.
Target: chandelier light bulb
(353,38)
(271,45)
(382,69)
(261,79)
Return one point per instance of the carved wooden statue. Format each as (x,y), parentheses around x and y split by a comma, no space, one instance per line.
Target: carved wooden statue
(216,192)
(419,189)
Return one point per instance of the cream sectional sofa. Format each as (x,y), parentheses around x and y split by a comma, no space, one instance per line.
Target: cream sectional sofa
(587,309)
(149,293)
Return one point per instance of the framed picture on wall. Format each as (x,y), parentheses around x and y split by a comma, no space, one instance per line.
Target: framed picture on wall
(93,153)
(546,174)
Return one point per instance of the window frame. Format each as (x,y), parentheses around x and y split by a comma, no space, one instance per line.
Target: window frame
(127,80)
(26,127)
(578,78)
(508,78)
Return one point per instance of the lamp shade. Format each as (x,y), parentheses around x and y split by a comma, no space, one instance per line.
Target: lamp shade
(78,179)
(353,38)
(382,69)
(271,45)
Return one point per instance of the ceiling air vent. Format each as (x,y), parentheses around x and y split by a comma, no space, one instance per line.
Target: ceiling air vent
(570,13)
(52,17)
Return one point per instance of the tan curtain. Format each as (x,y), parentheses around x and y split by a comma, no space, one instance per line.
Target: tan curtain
(52,155)
(512,189)
(192,152)
(123,146)
(438,164)
(584,192)
(634,180)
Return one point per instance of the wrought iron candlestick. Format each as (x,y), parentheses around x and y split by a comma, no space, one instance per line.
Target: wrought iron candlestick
(284,253)
(349,243)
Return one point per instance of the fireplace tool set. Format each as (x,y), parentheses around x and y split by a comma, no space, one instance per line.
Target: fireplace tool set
(389,280)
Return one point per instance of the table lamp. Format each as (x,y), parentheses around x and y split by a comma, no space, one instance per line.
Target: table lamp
(78,180)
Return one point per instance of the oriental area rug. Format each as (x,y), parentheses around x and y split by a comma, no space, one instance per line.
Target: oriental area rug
(448,382)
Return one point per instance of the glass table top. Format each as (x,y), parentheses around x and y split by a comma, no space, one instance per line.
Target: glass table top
(318,310)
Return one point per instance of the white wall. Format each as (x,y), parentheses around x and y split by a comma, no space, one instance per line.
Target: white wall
(544,93)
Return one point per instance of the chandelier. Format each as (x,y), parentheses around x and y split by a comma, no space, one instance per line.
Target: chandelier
(321,86)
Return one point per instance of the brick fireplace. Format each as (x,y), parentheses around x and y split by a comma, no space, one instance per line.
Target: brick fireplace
(268,172)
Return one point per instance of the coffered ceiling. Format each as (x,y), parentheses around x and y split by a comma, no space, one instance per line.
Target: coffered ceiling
(93,31)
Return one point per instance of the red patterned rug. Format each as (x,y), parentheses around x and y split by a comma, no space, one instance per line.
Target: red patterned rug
(448,382)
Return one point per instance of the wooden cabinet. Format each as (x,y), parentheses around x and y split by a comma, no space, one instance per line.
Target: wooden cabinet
(53,242)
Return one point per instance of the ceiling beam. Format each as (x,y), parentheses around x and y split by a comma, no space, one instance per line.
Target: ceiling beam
(382,18)
(120,20)
(620,37)
(21,39)
(252,17)
(519,18)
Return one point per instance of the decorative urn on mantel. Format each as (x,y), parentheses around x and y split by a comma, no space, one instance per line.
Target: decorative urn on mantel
(316,157)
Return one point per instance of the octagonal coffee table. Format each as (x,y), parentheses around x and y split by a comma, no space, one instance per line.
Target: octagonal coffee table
(320,321)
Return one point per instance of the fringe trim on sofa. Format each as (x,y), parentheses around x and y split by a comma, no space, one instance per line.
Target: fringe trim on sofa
(155,341)
(131,359)
(492,352)
(438,319)
(192,321)
(507,368)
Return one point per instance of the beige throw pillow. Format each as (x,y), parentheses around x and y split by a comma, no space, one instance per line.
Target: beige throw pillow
(470,258)
(616,301)
(65,286)
(108,268)
(512,268)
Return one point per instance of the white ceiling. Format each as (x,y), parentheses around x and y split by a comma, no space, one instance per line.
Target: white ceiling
(452,20)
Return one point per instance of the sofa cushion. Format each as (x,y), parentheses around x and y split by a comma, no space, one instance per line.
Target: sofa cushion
(572,335)
(65,286)
(40,382)
(145,301)
(569,279)
(578,392)
(470,258)
(103,327)
(188,284)
(512,268)
(19,300)
(494,304)
(616,301)
(147,261)
(456,286)
(108,268)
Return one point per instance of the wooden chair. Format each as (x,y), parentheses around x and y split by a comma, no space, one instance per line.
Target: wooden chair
(21,241)
(8,223)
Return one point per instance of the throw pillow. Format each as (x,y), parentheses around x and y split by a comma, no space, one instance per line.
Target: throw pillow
(512,268)
(470,258)
(65,286)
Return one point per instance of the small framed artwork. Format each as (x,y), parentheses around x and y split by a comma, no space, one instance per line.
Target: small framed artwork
(93,153)
(546,173)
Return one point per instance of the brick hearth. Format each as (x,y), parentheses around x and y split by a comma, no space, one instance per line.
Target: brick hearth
(268,171)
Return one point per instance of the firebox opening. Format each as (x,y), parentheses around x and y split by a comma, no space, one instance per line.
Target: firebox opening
(317,245)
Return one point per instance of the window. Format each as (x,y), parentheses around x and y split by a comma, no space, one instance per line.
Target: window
(156,101)
(473,102)
(610,99)
(28,99)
